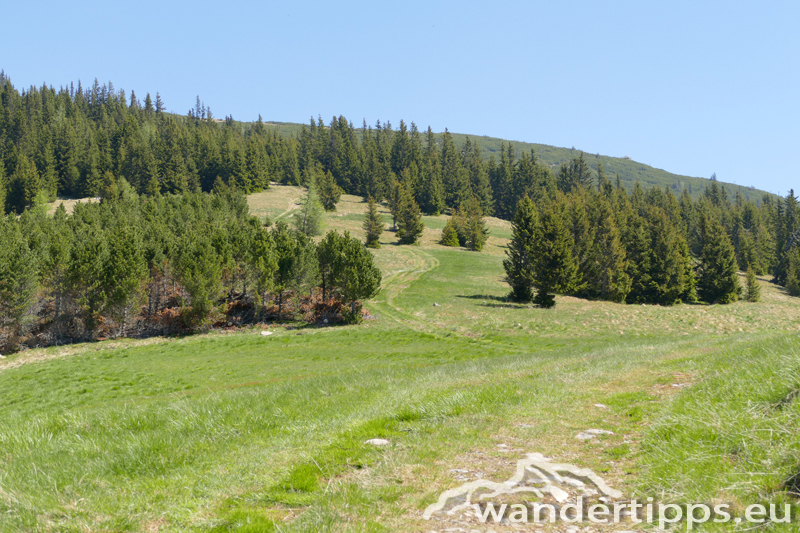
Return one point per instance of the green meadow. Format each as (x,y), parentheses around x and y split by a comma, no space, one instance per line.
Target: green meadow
(246,432)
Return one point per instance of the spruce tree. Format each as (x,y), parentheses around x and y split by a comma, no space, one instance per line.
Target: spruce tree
(793,271)
(636,238)
(753,289)
(607,276)
(450,234)
(329,191)
(25,185)
(3,188)
(717,279)
(310,220)
(575,174)
(554,266)
(520,262)
(583,236)
(432,194)
(667,273)
(475,228)
(409,223)
(85,272)
(373,225)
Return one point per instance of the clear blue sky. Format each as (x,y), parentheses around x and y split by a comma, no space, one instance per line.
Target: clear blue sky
(691,87)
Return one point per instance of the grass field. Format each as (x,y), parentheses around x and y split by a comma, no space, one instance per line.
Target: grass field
(235,431)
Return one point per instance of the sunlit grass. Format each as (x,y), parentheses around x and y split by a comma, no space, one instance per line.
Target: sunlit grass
(242,432)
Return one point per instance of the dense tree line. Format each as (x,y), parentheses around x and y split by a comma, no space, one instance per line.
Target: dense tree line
(596,241)
(169,263)
(642,246)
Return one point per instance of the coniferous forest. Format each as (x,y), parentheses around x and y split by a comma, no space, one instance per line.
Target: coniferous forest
(171,246)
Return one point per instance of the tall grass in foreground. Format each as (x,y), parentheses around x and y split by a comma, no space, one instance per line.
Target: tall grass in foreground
(735,436)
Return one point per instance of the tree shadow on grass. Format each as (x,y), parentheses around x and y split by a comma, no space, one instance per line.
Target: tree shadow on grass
(496,301)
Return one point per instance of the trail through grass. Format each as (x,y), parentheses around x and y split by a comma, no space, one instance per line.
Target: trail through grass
(241,432)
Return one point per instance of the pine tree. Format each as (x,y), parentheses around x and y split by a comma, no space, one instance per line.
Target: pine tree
(753,289)
(329,258)
(125,272)
(409,225)
(373,225)
(358,277)
(19,280)
(200,269)
(717,279)
(263,264)
(520,262)
(309,220)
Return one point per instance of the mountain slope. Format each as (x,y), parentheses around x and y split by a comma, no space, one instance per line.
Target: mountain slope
(629,171)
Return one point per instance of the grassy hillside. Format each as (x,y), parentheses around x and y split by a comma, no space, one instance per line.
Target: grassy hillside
(628,170)
(237,431)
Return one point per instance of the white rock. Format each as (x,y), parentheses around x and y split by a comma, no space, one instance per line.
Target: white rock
(601,406)
(585,436)
(266,333)
(435,304)
(377,442)
(599,432)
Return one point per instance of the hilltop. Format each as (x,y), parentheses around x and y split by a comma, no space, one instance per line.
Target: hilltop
(629,170)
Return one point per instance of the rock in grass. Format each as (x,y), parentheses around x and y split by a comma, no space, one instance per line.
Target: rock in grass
(266,333)
(435,304)
(377,442)
(599,432)
(592,433)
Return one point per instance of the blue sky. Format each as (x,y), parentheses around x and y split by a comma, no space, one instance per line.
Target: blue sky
(690,87)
